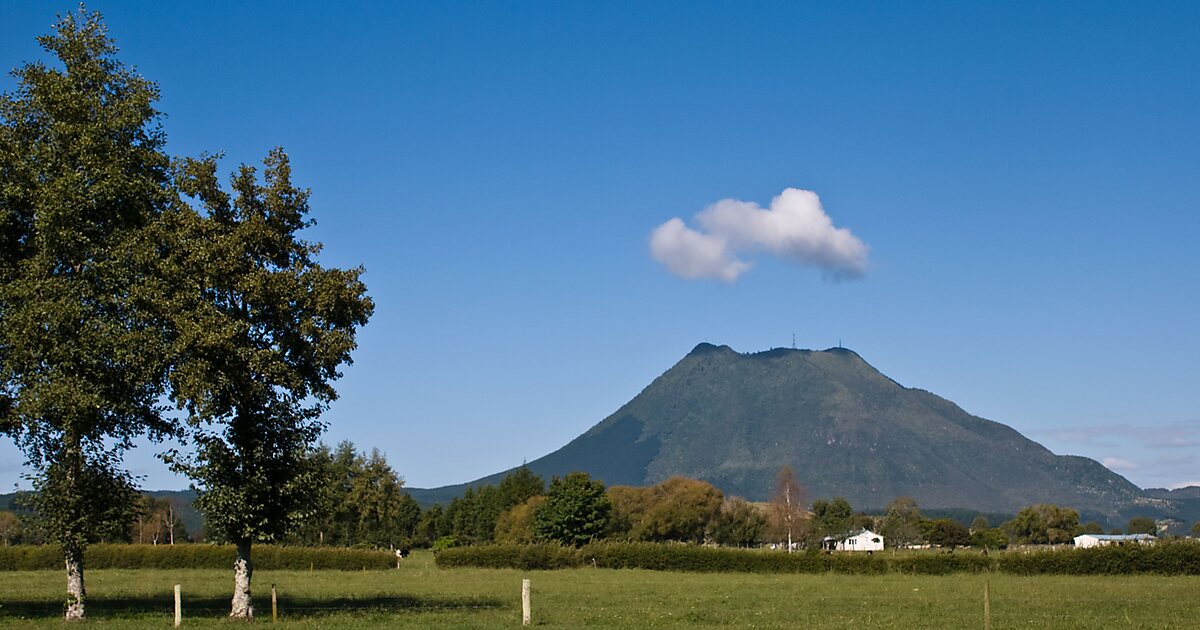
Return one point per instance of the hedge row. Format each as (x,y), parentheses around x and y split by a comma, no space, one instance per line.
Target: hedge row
(1166,558)
(195,556)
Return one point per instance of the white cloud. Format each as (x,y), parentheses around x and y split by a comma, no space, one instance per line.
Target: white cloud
(691,254)
(1116,463)
(794,227)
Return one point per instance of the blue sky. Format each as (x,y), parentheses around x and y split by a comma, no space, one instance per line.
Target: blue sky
(1022,176)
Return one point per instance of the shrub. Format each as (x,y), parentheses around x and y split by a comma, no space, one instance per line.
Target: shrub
(539,556)
(196,556)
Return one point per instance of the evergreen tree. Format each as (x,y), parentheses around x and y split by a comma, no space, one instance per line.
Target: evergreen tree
(576,511)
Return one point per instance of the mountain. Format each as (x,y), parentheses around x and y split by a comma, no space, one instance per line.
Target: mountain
(845,429)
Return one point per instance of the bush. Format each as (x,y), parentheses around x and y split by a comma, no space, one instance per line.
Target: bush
(539,556)
(196,556)
(1164,558)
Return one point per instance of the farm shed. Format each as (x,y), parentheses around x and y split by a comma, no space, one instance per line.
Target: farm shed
(1101,540)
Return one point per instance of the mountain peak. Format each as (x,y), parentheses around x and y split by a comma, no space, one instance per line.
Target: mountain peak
(704,347)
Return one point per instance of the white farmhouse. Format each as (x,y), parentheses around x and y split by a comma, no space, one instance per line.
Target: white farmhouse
(862,540)
(1100,540)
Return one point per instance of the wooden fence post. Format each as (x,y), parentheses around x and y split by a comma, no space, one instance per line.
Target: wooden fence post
(524,602)
(178,607)
(987,604)
(274,606)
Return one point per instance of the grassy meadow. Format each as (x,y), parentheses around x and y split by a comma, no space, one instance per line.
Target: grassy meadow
(419,595)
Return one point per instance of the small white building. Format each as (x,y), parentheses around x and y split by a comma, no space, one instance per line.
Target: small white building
(861,540)
(1100,540)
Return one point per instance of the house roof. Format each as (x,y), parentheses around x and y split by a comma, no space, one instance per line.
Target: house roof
(857,532)
(1118,537)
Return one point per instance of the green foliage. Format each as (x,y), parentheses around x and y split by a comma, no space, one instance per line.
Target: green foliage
(992,538)
(428,526)
(948,533)
(473,517)
(739,524)
(519,486)
(10,528)
(516,525)
(1196,529)
(832,518)
(1141,525)
(678,509)
(1091,527)
(1163,558)
(576,511)
(444,542)
(1181,558)
(532,557)
(362,503)
(260,346)
(901,524)
(1043,524)
(84,187)
(268,557)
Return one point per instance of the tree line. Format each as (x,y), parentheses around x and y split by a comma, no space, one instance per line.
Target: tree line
(576,509)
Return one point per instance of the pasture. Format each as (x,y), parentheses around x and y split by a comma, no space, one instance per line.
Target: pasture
(419,595)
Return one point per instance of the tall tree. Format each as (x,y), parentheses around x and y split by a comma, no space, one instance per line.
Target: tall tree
(83,347)
(1043,524)
(678,509)
(519,486)
(833,518)
(788,504)
(901,524)
(516,525)
(1141,525)
(261,345)
(739,524)
(948,532)
(576,510)
(10,527)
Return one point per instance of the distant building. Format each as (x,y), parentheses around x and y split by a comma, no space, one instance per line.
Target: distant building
(1100,540)
(861,540)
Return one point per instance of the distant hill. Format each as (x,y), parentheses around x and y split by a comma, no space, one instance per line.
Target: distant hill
(845,429)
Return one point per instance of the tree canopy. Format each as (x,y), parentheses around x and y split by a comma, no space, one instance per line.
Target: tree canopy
(260,345)
(576,510)
(1043,524)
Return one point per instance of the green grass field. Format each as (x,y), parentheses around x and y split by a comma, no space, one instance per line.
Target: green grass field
(419,595)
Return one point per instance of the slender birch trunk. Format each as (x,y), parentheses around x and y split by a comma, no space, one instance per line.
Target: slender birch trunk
(75,590)
(243,607)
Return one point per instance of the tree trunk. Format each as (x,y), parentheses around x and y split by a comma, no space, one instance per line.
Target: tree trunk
(75,591)
(243,608)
